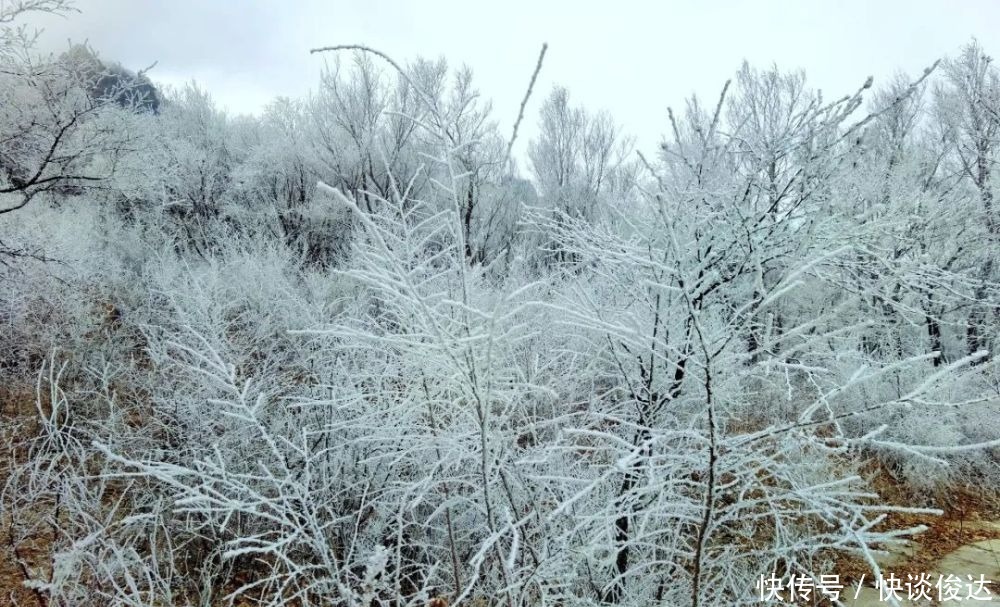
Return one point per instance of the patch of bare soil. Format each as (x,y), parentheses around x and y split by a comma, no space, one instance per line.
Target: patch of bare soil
(19,556)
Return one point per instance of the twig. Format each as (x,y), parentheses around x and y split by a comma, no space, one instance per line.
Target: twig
(524,102)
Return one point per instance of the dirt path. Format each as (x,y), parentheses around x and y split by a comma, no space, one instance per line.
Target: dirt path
(954,578)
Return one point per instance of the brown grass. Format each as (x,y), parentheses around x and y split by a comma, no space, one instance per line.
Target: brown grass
(20,423)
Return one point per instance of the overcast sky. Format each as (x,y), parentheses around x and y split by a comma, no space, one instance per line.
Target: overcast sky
(632,58)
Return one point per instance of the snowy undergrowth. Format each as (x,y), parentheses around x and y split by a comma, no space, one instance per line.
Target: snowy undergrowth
(654,382)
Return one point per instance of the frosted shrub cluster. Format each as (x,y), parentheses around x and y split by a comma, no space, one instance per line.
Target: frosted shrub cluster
(343,354)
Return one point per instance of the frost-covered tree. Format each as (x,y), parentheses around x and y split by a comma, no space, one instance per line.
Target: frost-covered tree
(342,354)
(968,107)
(56,135)
(577,156)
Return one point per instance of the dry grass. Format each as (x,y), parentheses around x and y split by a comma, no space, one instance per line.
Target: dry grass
(20,424)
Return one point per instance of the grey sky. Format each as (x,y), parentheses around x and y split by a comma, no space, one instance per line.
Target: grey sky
(632,58)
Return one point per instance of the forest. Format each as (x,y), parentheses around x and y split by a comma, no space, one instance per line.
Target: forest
(353,351)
